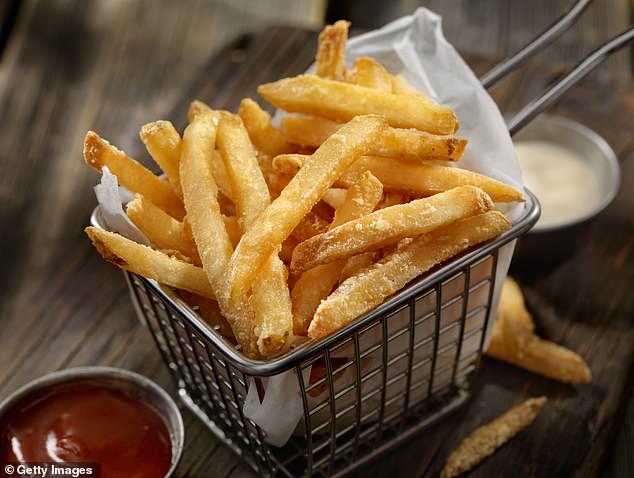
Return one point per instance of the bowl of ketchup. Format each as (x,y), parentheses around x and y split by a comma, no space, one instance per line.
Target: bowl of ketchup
(118,420)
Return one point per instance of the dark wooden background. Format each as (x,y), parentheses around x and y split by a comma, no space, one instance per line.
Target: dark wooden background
(69,66)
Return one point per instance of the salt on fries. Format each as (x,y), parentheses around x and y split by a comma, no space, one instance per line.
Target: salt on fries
(353,194)
(485,440)
(513,340)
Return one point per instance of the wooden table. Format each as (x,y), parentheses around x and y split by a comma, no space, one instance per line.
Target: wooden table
(61,306)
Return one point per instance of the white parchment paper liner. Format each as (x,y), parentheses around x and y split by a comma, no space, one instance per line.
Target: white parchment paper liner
(415,47)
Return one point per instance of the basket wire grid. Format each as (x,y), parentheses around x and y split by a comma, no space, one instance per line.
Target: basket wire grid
(363,390)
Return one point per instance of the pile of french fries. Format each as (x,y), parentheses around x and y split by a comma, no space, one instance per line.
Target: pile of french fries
(299,230)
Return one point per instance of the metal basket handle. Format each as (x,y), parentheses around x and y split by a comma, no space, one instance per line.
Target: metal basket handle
(544,39)
(552,94)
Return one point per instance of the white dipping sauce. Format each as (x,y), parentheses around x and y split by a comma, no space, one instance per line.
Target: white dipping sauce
(564,183)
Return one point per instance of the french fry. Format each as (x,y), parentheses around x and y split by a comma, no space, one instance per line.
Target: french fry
(370,287)
(342,101)
(401,143)
(147,262)
(315,284)
(484,441)
(197,107)
(513,340)
(427,179)
(221,177)
(400,86)
(270,300)
(331,51)
(200,195)
(263,134)
(233,229)
(300,195)
(356,263)
(163,143)
(161,229)
(133,175)
(310,225)
(370,73)
(419,179)
(249,189)
(334,197)
(389,225)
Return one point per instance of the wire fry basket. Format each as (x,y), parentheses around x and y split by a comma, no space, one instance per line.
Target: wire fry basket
(363,390)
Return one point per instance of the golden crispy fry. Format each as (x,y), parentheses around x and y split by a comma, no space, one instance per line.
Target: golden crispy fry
(342,101)
(210,311)
(200,194)
(400,86)
(428,179)
(270,300)
(161,229)
(334,197)
(361,199)
(389,225)
(131,174)
(513,340)
(233,229)
(331,51)
(370,287)
(221,177)
(263,134)
(484,441)
(370,73)
(401,143)
(300,195)
(197,107)
(355,263)
(163,143)
(315,284)
(310,225)
(249,189)
(392,198)
(419,179)
(149,263)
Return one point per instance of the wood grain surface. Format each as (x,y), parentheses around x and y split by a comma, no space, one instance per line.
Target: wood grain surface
(61,306)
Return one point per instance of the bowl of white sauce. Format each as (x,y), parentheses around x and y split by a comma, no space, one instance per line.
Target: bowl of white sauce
(575,175)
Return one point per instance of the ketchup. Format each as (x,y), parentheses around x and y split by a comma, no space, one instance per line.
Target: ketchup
(88,423)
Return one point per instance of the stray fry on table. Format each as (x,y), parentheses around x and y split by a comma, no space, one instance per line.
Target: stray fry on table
(484,441)
(513,340)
